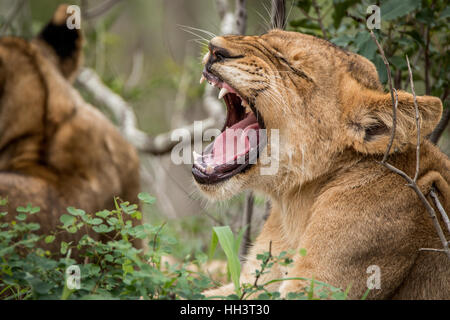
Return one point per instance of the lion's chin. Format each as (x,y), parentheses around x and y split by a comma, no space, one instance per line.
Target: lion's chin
(225,190)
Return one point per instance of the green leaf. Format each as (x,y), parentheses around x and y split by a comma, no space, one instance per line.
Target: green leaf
(75,212)
(366,46)
(146,198)
(340,11)
(228,243)
(393,9)
(103,214)
(64,247)
(96,221)
(3,201)
(21,216)
(444,14)
(381,68)
(28,209)
(49,239)
(67,219)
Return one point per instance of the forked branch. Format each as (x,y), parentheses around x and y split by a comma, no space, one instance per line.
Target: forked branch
(412,182)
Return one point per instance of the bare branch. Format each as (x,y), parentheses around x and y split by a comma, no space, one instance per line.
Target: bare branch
(99,10)
(241,16)
(248,221)
(12,16)
(431,249)
(228,21)
(416,107)
(411,181)
(319,19)
(126,118)
(392,91)
(443,123)
(440,208)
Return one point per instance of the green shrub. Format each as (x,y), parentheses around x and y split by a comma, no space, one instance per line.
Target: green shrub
(115,269)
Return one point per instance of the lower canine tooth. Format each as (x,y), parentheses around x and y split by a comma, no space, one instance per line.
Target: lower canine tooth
(222,92)
(209,169)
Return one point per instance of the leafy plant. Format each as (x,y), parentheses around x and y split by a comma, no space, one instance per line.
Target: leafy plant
(114,269)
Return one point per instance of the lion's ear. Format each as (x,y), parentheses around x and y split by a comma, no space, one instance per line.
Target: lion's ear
(66,43)
(369,120)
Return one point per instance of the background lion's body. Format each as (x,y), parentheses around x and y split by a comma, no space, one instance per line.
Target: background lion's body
(55,149)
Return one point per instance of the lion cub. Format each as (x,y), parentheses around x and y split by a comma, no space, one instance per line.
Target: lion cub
(329,194)
(55,149)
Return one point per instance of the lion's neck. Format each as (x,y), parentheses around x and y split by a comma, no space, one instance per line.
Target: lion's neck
(25,156)
(296,202)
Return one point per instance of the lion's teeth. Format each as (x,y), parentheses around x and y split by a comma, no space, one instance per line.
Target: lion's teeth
(205,58)
(209,169)
(222,92)
(202,79)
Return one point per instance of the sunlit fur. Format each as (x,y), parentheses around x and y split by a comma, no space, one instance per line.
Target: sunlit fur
(330,195)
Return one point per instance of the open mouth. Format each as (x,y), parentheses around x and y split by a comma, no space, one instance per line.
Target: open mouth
(241,140)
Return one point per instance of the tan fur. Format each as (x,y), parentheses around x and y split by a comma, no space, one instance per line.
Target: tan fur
(55,149)
(330,196)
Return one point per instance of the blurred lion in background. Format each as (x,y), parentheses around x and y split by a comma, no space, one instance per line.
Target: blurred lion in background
(55,149)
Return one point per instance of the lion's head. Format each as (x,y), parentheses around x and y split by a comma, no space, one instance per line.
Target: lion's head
(327,104)
(48,131)
(35,90)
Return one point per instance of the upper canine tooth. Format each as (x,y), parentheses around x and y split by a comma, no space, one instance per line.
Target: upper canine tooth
(202,79)
(222,92)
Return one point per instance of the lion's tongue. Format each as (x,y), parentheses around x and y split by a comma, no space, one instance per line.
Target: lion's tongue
(235,141)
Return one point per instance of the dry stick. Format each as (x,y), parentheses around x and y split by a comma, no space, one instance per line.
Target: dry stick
(411,182)
(319,19)
(394,100)
(440,208)
(248,221)
(416,107)
(241,16)
(443,123)
(101,9)
(12,16)
(124,114)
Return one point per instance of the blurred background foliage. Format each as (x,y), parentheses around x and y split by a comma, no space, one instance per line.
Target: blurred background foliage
(141,51)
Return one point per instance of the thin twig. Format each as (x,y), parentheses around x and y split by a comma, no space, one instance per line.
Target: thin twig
(249,203)
(431,249)
(427,61)
(319,19)
(124,114)
(99,10)
(443,123)
(12,16)
(416,107)
(440,208)
(241,16)
(411,182)
(394,100)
